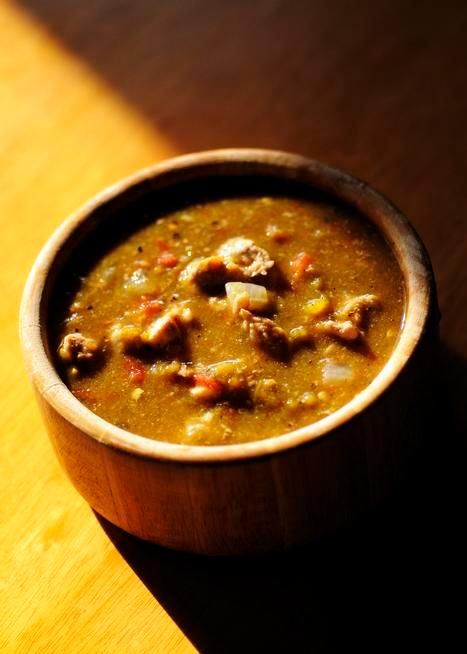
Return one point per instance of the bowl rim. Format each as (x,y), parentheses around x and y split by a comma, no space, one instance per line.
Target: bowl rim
(403,240)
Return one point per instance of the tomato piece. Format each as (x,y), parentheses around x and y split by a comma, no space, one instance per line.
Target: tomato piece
(151,308)
(148,297)
(300,266)
(301,262)
(162,244)
(135,369)
(207,381)
(168,260)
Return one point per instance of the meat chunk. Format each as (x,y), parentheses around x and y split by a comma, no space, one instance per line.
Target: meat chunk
(207,388)
(228,371)
(169,328)
(210,273)
(348,320)
(244,254)
(235,376)
(268,393)
(237,260)
(343,329)
(76,348)
(264,333)
(227,381)
(357,307)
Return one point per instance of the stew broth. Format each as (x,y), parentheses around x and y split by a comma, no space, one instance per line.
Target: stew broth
(233,320)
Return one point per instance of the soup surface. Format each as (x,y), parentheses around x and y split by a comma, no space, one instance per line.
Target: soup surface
(232,320)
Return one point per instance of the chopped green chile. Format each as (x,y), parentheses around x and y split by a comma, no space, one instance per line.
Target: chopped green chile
(233,320)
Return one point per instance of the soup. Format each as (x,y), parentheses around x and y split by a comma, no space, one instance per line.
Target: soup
(232,320)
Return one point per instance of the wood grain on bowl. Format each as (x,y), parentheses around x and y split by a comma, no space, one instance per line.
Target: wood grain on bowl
(262,495)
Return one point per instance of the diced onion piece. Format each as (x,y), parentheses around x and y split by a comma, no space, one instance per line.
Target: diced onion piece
(336,373)
(168,260)
(252,297)
(138,283)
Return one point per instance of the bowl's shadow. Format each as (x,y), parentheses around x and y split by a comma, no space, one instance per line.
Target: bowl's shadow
(385,585)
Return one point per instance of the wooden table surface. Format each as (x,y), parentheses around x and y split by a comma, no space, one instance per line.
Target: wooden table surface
(91,91)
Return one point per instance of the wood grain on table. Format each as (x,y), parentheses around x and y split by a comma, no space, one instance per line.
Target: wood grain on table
(89,92)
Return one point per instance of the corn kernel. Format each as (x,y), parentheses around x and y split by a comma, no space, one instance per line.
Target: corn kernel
(317,307)
(309,399)
(136,394)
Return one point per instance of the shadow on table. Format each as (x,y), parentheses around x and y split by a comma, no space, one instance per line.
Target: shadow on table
(207,73)
(304,76)
(387,584)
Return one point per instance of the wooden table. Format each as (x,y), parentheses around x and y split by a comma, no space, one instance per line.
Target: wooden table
(91,91)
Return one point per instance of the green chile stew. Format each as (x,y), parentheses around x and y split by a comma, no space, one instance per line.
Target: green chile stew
(231,320)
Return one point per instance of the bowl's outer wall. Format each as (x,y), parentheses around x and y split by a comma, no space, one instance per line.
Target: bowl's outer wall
(265,504)
(286,495)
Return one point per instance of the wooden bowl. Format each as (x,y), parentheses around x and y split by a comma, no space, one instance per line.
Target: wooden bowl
(259,496)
